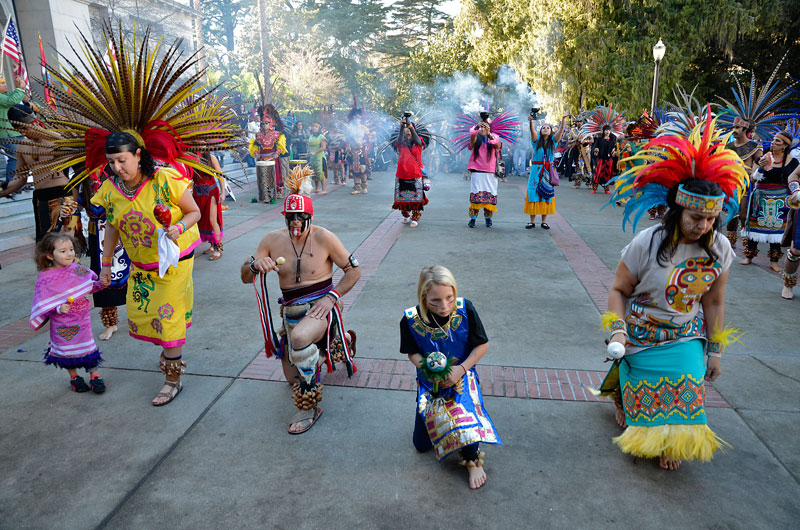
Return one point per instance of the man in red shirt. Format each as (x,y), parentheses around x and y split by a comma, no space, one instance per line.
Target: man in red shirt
(409,193)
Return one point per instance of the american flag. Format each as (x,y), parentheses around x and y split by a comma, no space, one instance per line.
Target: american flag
(12,48)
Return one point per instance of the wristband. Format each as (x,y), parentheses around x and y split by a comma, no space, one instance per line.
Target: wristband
(106,262)
(794,186)
(714,349)
(333,294)
(252,261)
(182,227)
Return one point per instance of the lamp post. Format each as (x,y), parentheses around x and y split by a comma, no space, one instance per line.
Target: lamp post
(658,54)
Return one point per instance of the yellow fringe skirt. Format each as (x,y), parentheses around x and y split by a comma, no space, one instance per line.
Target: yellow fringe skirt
(662,393)
(476,206)
(540,207)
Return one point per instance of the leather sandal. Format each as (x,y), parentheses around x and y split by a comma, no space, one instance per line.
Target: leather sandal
(177,386)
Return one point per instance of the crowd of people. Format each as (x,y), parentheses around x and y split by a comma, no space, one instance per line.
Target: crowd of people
(152,197)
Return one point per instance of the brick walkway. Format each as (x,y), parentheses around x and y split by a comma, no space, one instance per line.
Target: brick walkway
(592,272)
(499,381)
(14,334)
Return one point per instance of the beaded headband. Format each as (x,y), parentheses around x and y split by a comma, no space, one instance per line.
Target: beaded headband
(699,202)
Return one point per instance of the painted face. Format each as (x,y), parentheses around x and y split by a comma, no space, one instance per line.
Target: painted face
(695,225)
(441,299)
(738,132)
(63,253)
(297,223)
(125,165)
(778,143)
(689,281)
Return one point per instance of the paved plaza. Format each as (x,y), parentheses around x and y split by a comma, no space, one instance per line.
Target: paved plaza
(220,455)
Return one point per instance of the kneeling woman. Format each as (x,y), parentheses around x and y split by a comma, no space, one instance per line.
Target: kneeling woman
(667,274)
(450,415)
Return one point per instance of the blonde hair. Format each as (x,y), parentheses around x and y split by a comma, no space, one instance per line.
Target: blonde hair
(433,275)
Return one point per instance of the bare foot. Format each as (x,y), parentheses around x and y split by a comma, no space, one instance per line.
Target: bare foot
(477,477)
(108,332)
(304,420)
(787,293)
(619,415)
(746,261)
(775,267)
(670,464)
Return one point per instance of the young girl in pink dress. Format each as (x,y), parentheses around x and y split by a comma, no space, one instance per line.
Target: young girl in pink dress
(61,296)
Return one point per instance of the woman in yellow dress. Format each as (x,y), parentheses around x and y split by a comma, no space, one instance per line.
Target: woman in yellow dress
(159,309)
(126,113)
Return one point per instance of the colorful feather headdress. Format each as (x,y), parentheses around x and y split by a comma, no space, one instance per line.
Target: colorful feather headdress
(505,125)
(134,89)
(669,160)
(646,126)
(683,115)
(426,126)
(600,117)
(757,112)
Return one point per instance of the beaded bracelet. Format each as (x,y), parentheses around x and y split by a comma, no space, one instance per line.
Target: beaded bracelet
(714,349)
(619,326)
(794,186)
(182,228)
(106,262)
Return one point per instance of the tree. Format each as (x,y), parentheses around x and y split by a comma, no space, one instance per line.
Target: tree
(308,81)
(220,21)
(417,20)
(580,53)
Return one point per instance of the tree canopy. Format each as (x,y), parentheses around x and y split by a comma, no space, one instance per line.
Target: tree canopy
(574,53)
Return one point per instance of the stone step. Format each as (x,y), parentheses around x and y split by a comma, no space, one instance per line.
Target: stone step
(21,205)
(15,222)
(17,238)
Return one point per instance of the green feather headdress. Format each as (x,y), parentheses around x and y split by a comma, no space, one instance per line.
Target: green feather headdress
(135,88)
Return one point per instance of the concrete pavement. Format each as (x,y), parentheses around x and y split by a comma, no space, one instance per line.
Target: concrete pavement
(219,456)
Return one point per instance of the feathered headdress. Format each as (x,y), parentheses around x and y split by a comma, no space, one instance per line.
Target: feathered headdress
(683,115)
(425,126)
(793,128)
(646,126)
(601,116)
(505,125)
(131,90)
(298,184)
(756,112)
(668,160)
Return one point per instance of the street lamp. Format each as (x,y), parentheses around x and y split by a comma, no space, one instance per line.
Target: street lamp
(658,54)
